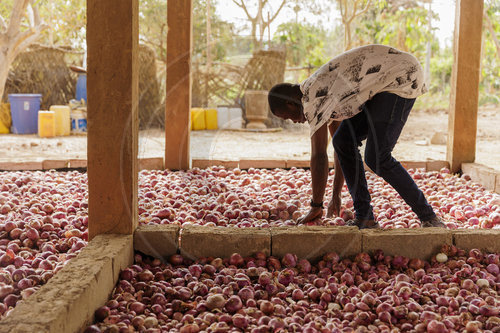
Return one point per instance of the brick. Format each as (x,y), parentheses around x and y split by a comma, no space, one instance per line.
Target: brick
(411,243)
(55,164)
(414,165)
(77,163)
(12,166)
(297,163)
(262,164)
(200,241)
(436,165)
(481,174)
(68,301)
(312,242)
(159,241)
(151,163)
(202,163)
(483,239)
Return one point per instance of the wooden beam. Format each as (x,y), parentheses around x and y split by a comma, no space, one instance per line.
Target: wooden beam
(462,119)
(112,85)
(178,100)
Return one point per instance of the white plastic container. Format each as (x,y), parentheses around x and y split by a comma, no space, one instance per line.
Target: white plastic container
(222,117)
(235,118)
(78,122)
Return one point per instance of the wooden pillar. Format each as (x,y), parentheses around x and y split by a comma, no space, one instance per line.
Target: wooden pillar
(462,119)
(178,100)
(112,86)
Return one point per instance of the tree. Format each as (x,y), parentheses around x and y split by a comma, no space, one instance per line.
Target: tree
(349,10)
(263,17)
(20,31)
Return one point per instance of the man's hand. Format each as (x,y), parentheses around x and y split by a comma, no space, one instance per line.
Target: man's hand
(314,213)
(334,206)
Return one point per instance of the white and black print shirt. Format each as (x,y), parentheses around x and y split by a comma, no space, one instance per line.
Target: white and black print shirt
(339,88)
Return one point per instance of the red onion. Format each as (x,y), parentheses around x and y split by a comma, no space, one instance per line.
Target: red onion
(216,301)
(233,304)
(289,260)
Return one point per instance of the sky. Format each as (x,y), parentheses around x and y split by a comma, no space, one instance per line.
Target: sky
(445,9)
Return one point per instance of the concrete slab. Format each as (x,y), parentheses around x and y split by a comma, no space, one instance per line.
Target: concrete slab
(312,242)
(484,239)
(412,243)
(159,241)
(68,301)
(200,241)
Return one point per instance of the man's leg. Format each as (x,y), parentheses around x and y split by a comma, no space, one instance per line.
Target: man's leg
(346,142)
(387,114)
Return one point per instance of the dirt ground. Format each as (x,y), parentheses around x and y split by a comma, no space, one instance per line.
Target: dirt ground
(291,143)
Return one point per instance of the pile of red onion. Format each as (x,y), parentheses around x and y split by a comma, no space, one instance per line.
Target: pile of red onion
(43,224)
(455,291)
(262,198)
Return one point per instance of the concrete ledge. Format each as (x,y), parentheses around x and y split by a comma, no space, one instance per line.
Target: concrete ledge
(68,301)
(485,239)
(151,163)
(411,243)
(481,174)
(262,164)
(159,241)
(55,164)
(199,241)
(313,242)
(202,163)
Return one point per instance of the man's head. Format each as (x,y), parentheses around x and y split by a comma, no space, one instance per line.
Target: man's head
(285,101)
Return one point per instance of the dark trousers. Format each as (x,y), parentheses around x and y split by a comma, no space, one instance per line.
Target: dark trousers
(380,123)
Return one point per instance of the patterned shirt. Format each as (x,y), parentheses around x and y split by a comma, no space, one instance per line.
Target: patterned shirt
(339,88)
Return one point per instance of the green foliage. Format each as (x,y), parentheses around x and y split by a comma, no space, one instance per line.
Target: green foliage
(304,43)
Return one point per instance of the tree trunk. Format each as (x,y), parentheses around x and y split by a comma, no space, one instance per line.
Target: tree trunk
(4,72)
(489,25)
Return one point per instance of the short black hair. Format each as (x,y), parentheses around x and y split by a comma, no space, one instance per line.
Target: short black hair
(279,95)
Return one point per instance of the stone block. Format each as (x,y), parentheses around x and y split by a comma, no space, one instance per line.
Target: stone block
(55,164)
(68,301)
(200,241)
(203,164)
(412,243)
(159,241)
(481,174)
(262,164)
(437,165)
(151,163)
(483,239)
(312,242)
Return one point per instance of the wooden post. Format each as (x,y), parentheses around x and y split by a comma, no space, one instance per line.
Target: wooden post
(462,119)
(112,85)
(178,99)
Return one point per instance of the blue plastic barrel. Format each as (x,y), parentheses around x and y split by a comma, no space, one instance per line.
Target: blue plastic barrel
(24,112)
(81,87)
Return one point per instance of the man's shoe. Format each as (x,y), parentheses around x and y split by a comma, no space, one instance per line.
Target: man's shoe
(433,222)
(363,224)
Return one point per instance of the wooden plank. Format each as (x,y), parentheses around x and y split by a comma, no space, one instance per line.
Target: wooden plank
(178,99)
(55,164)
(462,119)
(481,174)
(112,85)
(15,166)
(203,163)
(437,165)
(151,163)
